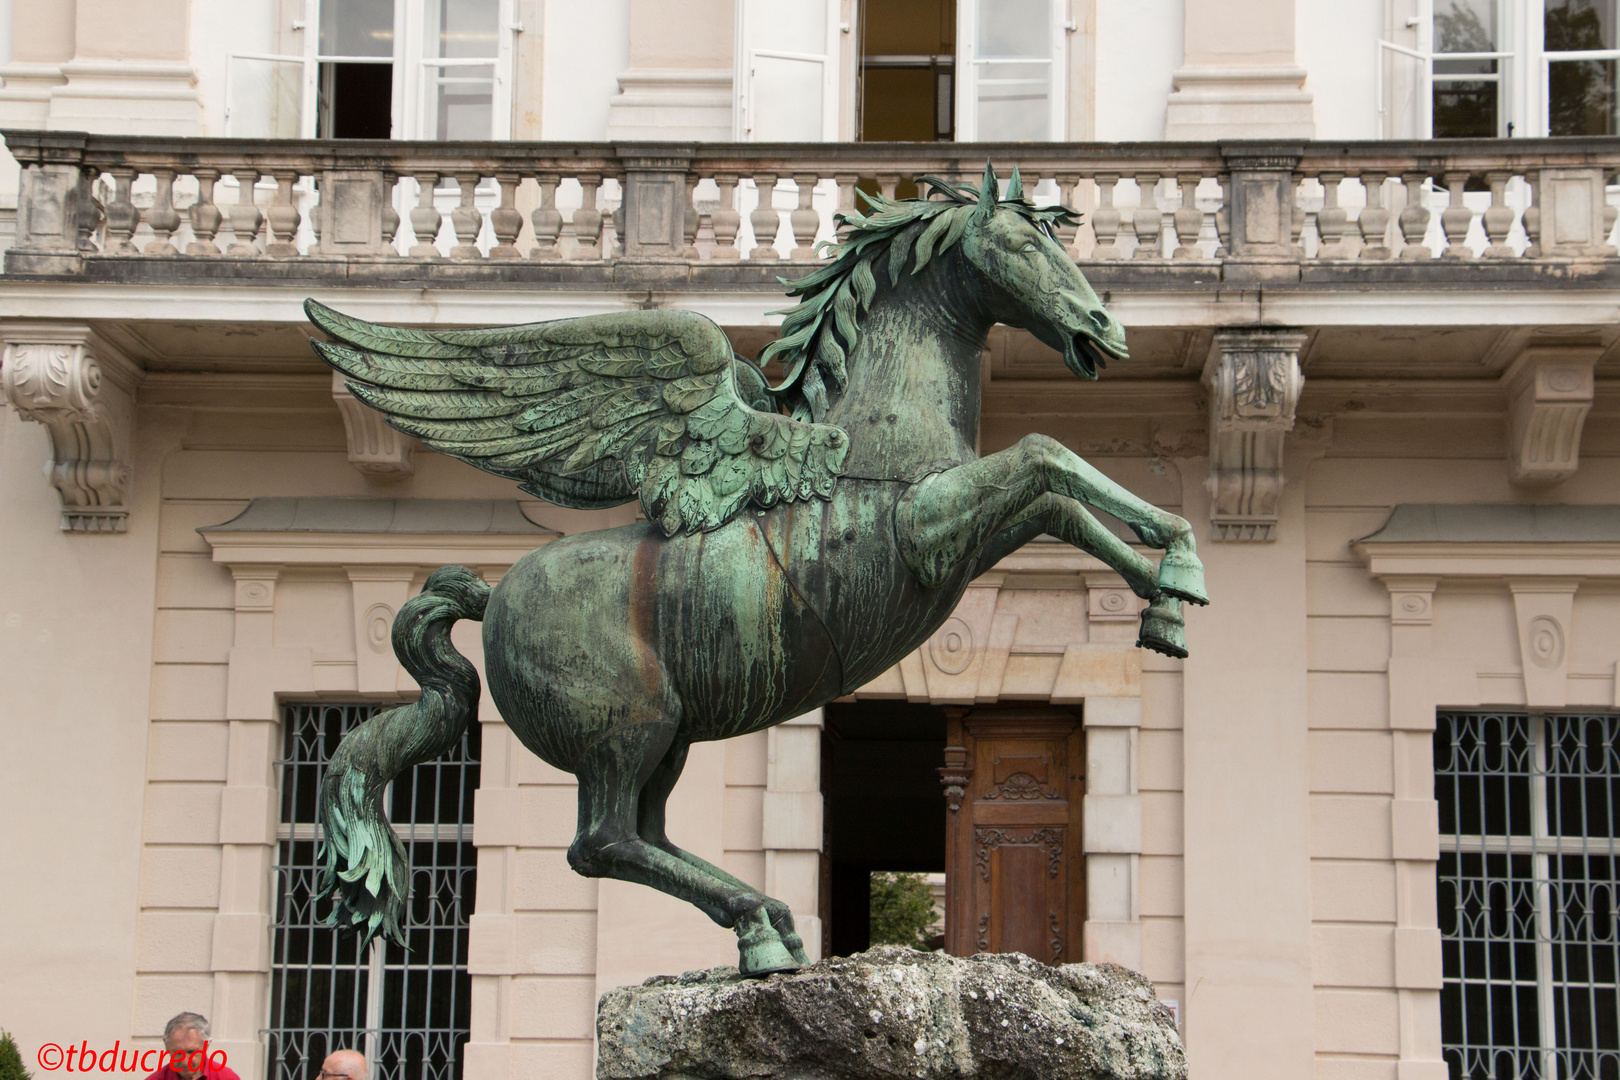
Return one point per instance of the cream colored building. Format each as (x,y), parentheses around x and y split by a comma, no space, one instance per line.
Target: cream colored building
(1380,375)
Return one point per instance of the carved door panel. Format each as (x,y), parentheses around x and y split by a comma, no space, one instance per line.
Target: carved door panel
(1014,873)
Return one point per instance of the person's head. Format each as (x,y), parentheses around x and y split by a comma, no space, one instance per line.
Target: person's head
(343,1065)
(183,1038)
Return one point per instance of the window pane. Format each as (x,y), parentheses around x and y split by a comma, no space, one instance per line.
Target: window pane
(1482,766)
(1464,26)
(468,28)
(1465,109)
(357,28)
(1581,98)
(1488,1017)
(1572,25)
(1014,100)
(1583,775)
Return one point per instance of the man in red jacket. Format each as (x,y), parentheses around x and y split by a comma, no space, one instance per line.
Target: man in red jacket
(185,1038)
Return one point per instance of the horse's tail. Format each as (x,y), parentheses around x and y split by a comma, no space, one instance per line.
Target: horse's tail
(365,869)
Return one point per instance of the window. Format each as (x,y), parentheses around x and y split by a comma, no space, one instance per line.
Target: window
(1528,894)
(1010,83)
(408,1011)
(907,72)
(1499,68)
(378,69)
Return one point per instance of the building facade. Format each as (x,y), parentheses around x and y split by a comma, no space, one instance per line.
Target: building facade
(1366,259)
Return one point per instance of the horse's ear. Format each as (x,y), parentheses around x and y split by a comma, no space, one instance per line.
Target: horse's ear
(989,190)
(1015,187)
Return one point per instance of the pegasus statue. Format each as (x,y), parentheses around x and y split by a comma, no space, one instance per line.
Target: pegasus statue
(799,539)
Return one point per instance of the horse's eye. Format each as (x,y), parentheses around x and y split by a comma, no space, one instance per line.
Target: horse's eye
(1028,249)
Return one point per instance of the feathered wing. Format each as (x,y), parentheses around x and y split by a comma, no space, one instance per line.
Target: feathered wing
(592,412)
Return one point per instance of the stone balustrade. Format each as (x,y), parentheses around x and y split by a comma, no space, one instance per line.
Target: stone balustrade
(162,209)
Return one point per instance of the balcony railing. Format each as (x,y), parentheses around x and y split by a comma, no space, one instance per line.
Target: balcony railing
(163,209)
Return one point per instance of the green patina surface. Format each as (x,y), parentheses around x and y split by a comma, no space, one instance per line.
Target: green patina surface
(800,538)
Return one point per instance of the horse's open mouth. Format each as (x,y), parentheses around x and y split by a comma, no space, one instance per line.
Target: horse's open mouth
(1084,356)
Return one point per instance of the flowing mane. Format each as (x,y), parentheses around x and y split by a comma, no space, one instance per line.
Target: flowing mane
(819,332)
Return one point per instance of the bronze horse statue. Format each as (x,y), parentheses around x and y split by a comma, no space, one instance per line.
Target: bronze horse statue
(800,539)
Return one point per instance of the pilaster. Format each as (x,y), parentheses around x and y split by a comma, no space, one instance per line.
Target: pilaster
(1238,76)
(792,830)
(64,376)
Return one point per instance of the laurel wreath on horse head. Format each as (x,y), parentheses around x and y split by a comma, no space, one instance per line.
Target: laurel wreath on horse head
(818,333)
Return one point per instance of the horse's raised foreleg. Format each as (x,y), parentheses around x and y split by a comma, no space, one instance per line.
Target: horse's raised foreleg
(992,506)
(612,774)
(650,826)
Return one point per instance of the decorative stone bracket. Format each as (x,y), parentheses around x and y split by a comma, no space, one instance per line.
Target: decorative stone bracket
(1254,384)
(1549,391)
(376,449)
(63,376)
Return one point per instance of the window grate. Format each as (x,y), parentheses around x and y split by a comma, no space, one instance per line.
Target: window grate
(1527,894)
(407,1010)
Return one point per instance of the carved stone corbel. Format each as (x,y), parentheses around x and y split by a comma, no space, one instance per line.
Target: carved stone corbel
(1254,384)
(63,376)
(1549,391)
(374,448)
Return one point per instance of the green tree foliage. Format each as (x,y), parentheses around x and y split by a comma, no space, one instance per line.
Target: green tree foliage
(11,1062)
(902,911)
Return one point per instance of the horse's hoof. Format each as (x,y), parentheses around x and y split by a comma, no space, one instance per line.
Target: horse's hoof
(1163,630)
(794,944)
(760,950)
(1182,576)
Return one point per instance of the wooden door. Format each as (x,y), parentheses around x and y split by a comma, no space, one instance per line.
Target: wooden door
(1014,870)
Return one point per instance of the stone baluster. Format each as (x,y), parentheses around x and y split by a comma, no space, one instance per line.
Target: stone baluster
(765,219)
(804,221)
(1611,215)
(611,244)
(1497,220)
(314,217)
(1148,220)
(1188,219)
(846,191)
(1068,186)
(727,219)
(205,216)
(163,218)
(694,219)
(1532,216)
(1414,218)
(587,221)
(1298,217)
(547,221)
(1373,223)
(1105,220)
(1332,221)
(505,221)
(888,184)
(390,216)
(246,217)
(425,217)
(1223,216)
(122,217)
(1456,218)
(282,219)
(465,220)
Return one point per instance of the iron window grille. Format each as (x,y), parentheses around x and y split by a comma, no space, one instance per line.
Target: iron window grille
(1527,894)
(406,1009)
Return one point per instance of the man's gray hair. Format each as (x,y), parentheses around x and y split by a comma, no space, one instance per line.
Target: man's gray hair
(194,1021)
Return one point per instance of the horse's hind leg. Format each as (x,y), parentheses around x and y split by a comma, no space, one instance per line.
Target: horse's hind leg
(650,824)
(612,775)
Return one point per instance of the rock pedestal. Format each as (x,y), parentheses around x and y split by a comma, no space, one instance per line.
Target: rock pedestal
(889,1014)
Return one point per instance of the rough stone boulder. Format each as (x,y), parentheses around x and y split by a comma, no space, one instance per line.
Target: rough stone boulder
(892,1013)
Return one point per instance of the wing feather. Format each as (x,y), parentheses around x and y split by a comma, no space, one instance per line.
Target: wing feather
(593,412)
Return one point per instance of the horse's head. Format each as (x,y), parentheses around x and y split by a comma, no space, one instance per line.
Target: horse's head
(1034,285)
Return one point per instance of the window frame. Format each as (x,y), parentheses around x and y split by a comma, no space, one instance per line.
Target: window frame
(411,116)
(1549,889)
(1523,75)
